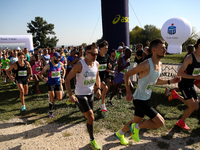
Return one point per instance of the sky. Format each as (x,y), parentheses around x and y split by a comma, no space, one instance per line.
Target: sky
(79,21)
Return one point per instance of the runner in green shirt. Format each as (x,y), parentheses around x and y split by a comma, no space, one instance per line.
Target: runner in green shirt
(5,66)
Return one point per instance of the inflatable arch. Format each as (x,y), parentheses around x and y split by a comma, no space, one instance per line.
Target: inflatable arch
(27,39)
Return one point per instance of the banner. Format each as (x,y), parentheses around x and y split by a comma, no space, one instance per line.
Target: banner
(27,39)
(115,22)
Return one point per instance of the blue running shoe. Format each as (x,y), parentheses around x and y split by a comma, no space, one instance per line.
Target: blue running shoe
(23,108)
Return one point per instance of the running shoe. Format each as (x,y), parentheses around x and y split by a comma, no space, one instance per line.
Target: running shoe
(69,103)
(167,91)
(134,132)
(4,80)
(23,108)
(110,103)
(182,124)
(107,95)
(38,91)
(123,141)
(14,84)
(64,96)
(174,95)
(51,115)
(119,95)
(94,145)
(103,108)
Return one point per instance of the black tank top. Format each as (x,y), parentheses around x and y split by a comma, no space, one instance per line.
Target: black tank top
(102,65)
(21,72)
(193,69)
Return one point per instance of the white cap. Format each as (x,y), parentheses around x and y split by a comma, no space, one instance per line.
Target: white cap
(18,48)
(120,47)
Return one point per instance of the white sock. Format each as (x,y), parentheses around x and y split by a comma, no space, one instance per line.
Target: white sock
(137,126)
(103,105)
(120,132)
(63,92)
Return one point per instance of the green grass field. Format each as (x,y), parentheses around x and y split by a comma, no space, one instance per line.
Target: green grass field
(114,119)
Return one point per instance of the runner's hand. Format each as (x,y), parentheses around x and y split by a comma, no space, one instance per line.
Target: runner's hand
(12,79)
(129,97)
(31,78)
(62,80)
(176,79)
(45,79)
(98,94)
(73,99)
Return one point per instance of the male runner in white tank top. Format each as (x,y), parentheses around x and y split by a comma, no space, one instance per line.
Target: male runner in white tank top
(149,72)
(87,74)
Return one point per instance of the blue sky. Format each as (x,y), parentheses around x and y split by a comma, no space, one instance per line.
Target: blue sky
(75,20)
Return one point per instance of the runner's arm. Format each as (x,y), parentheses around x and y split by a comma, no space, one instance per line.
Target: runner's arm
(63,68)
(46,67)
(142,67)
(181,72)
(10,69)
(76,69)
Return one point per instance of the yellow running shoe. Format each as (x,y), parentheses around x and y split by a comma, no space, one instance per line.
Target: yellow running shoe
(94,145)
(123,141)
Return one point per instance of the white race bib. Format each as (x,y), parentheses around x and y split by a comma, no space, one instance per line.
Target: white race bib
(102,67)
(149,87)
(22,73)
(55,74)
(196,71)
(37,69)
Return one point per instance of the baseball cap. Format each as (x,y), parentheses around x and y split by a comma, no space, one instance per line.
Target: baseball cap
(197,43)
(18,48)
(56,54)
(120,47)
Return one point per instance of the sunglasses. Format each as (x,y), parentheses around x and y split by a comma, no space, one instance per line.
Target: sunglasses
(93,54)
(58,57)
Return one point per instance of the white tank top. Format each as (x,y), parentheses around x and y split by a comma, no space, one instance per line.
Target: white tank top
(86,79)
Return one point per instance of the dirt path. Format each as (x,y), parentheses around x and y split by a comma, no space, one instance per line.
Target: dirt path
(15,134)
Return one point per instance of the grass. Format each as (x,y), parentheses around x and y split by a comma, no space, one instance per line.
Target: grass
(169,58)
(114,119)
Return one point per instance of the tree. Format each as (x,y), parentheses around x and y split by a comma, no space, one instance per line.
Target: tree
(191,40)
(40,29)
(140,35)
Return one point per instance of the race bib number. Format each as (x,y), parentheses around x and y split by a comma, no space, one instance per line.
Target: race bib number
(22,73)
(124,71)
(6,67)
(47,62)
(149,87)
(102,67)
(37,69)
(89,82)
(196,71)
(55,74)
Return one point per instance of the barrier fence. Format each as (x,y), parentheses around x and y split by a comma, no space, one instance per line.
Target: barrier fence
(169,71)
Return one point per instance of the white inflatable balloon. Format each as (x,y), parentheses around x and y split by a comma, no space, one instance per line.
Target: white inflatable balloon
(27,39)
(175,32)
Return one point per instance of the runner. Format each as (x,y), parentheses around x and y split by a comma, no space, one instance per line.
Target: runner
(5,65)
(111,67)
(87,74)
(103,59)
(46,57)
(186,86)
(53,81)
(122,68)
(23,70)
(36,69)
(149,72)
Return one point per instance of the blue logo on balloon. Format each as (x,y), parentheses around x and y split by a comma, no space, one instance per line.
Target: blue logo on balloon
(172,29)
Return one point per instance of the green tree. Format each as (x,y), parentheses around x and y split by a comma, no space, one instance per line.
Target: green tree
(40,29)
(140,35)
(191,40)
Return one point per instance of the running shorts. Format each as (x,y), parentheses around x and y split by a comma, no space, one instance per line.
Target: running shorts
(23,81)
(51,87)
(142,108)
(86,102)
(188,92)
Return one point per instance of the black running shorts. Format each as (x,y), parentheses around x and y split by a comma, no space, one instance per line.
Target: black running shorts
(23,81)
(188,92)
(86,102)
(51,87)
(142,108)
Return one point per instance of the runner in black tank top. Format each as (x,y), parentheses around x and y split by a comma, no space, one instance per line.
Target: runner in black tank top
(23,70)
(192,65)
(103,59)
